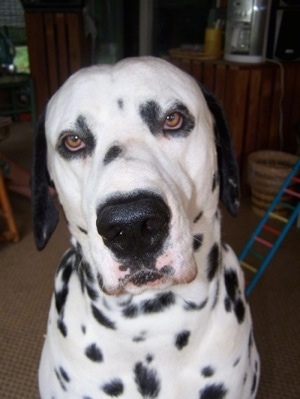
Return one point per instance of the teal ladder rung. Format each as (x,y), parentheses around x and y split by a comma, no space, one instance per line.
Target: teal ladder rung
(286,205)
(256,254)
(272,214)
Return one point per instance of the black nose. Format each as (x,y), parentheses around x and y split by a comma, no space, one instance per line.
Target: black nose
(134,226)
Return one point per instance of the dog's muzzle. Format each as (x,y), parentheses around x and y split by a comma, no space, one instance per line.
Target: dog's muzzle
(134,227)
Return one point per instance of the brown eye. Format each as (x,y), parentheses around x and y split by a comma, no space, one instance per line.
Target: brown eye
(173,121)
(74,142)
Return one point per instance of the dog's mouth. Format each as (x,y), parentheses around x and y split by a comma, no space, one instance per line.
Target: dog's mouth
(148,276)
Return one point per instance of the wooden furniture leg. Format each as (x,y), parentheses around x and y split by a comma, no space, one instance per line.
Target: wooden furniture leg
(11,234)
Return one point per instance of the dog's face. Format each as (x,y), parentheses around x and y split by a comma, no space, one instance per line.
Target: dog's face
(133,154)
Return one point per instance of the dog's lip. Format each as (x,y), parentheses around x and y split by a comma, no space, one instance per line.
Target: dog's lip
(146,276)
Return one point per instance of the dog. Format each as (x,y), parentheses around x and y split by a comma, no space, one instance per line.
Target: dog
(148,301)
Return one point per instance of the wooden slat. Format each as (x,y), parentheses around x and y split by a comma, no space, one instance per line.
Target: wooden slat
(196,70)
(236,106)
(220,83)
(186,65)
(264,114)
(62,47)
(50,47)
(289,86)
(274,132)
(74,35)
(38,58)
(251,124)
(251,128)
(291,141)
(208,75)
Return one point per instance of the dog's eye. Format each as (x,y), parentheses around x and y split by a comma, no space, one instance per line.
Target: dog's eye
(173,121)
(74,142)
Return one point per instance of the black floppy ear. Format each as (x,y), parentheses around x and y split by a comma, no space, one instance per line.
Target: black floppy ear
(44,213)
(227,164)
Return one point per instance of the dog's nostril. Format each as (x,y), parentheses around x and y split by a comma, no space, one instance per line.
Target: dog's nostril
(134,226)
(110,233)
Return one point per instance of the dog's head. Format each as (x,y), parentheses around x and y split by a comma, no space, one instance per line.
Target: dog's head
(139,155)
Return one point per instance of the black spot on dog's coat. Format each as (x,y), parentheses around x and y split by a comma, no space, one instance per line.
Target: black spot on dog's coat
(112,154)
(189,305)
(120,103)
(236,362)
(233,301)
(113,388)
(64,374)
(93,352)
(66,269)
(147,381)
(149,358)
(131,311)
(231,283)
(250,344)
(216,296)
(213,261)
(254,383)
(239,310)
(215,181)
(102,319)
(198,239)
(139,338)
(82,230)
(182,339)
(213,391)
(156,305)
(62,377)
(62,327)
(60,298)
(208,371)
(92,293)
(198,217)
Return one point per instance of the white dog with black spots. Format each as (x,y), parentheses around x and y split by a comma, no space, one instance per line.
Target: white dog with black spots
(148,301)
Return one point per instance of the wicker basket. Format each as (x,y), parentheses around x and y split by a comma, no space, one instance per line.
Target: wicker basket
(267,171)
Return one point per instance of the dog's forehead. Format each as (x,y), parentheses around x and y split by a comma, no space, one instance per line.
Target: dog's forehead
(134,80)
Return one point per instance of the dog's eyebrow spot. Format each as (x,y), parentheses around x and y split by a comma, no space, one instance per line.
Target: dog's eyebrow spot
(82,130)
(113,152)
(151,114)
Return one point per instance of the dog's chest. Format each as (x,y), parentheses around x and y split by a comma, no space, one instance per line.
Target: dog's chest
(136,347)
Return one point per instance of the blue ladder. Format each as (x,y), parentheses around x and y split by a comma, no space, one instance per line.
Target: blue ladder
(257,239)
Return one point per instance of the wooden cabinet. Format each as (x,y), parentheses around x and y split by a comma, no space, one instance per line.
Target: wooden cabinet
(261,101)
(57,47)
